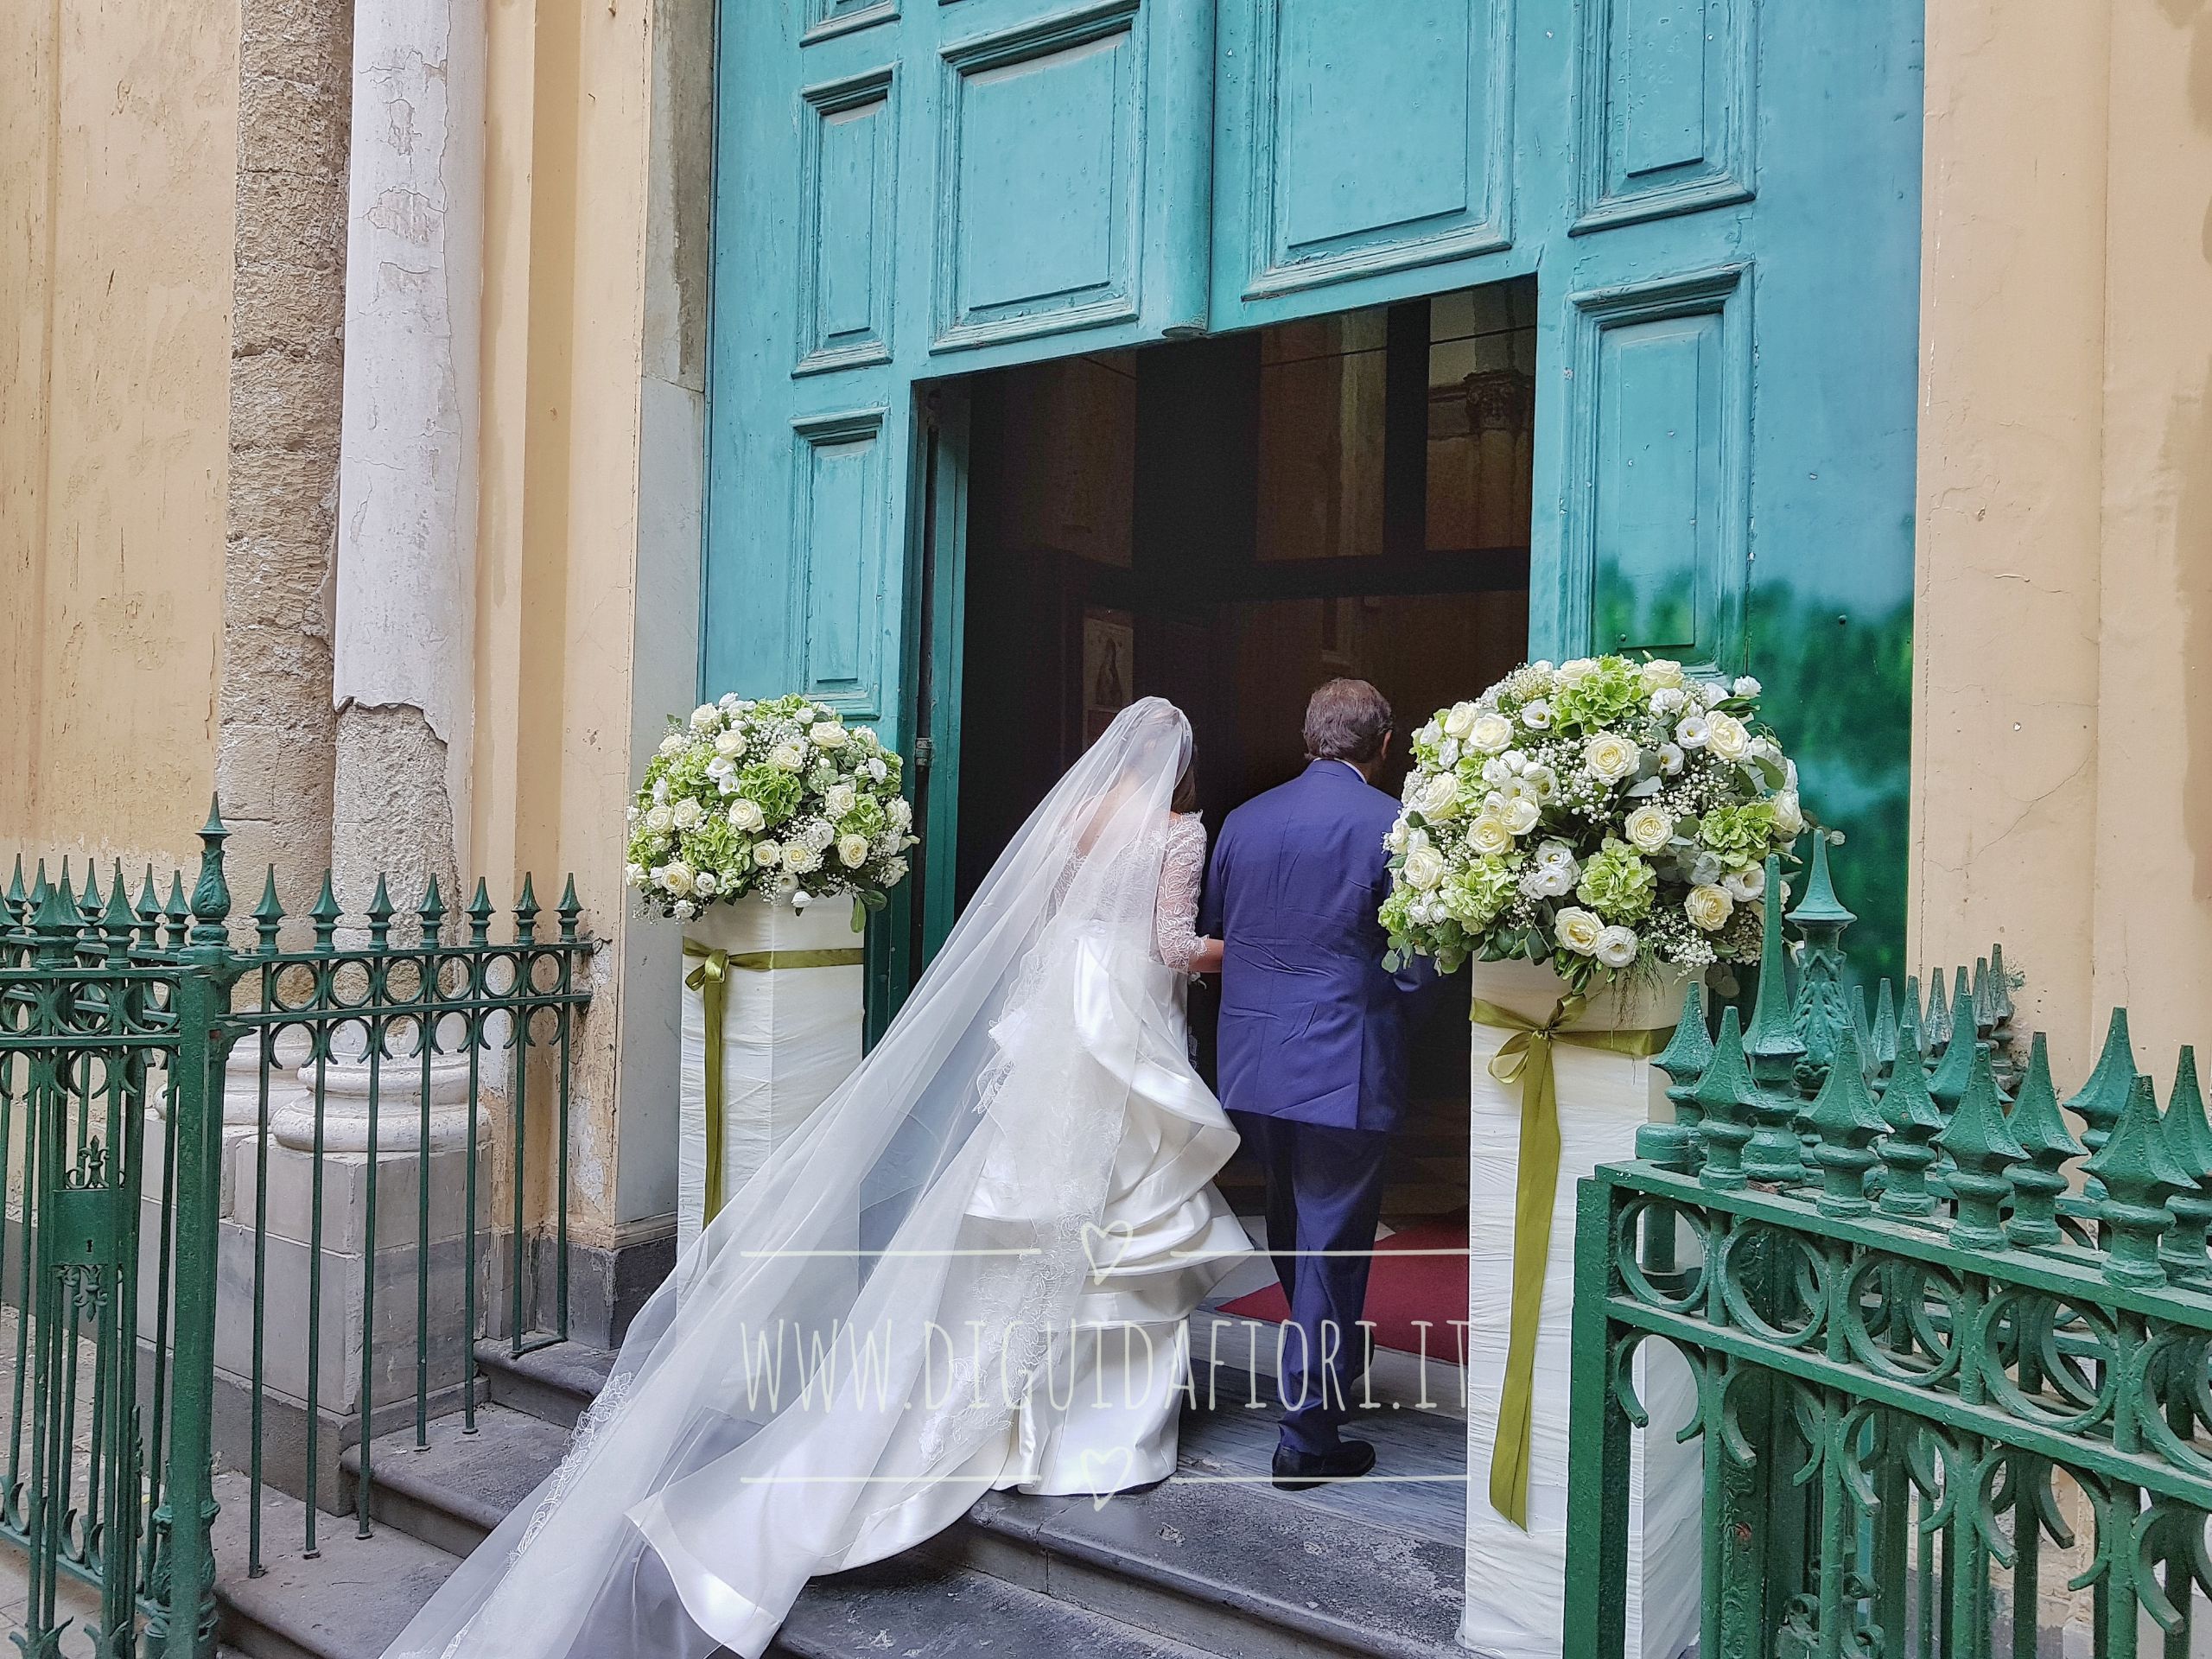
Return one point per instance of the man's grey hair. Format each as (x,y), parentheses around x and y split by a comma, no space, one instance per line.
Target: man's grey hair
(1347,720)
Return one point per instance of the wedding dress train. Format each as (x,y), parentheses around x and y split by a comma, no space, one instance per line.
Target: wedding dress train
(971,1270)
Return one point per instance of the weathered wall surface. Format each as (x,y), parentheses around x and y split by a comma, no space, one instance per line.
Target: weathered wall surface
(118,123)
(2063,762)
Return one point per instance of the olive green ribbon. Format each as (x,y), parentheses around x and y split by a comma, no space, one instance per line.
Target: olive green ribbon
(1526,1057)
(711,980)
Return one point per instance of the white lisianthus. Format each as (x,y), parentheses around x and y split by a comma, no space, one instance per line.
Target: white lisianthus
(684,910)
(786,757)
(828,735)
(1424,867)
(705,885)
(1704,869)
(818,834)
(1745,885)
(1448,753)
(1549,881)
(1578,930)
(1745,686)
(661,819)
(1536,715)
(1708,908)
(1650,828)
(1429,733)
(1789,815)
(1496,772)
(852,851)
(688,814)
(720,767)
(1555,852)
(894,872)
(1489,734)
(747,816)
(1726,737)
(1460,720)
(675,879)
(1667,700)
(1609,757)
(1661,674)
(1670,758)
(839,799)
(1439,797)
(1395,840)
(768,853)
(1616,946)
(673,743)
(634,874)
(900,810)
(1540,781)
(706,717)
(1690,731)
(866,737)
(1488,835)
(1522,814)
(877,771)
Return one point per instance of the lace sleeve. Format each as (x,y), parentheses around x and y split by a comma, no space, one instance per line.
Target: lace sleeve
(1182,868)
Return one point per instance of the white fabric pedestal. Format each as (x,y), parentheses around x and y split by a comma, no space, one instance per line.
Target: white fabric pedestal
(790,1035)
(1517,1580)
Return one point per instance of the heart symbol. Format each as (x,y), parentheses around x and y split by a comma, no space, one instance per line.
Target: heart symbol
(1094,1235)
(1105,1473)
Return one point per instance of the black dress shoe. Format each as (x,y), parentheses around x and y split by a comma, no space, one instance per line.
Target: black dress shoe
(1295,1472)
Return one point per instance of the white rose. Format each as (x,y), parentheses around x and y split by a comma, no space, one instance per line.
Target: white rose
(1573,673)
(1789,815)
(1424,867)
(675,879)
(1690,731)
(1489,734)
(1432,733)
(852,851)
(828,735)
(1609,757)
(1745,885)
(866,737)
(786,757)
(1670,758)
(802,860)
(877,771)
(661,819)
(839,799)
(1661,674)
(1650,828)
(1439,796)
(1460,720)
(705,885)
(1540,781)
(1395,840)
(1537,716)
(1521,815)
(1489,835)
(1745,686)
(1616,947)
(1578,930)
(706,717)
(672,744)
(747,816)
(1725,736)
(1708,908)
(730,743)
(767,854)
(688,815)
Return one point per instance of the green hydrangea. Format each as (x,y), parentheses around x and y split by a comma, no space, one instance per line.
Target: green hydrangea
(1739,832)
(775,792)
(1611,692)
(1617,884)
(1474,896)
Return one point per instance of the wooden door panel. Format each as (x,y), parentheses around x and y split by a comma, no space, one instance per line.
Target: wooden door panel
(1665,108)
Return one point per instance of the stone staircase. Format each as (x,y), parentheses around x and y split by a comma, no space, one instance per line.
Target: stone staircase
(1214,1565)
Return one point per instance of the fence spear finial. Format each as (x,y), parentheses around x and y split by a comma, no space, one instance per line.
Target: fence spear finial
(2042,1131)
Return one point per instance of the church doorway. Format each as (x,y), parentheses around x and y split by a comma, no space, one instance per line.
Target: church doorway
(1227,523)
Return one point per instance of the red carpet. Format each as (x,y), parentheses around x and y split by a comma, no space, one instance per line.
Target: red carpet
(1402,1287)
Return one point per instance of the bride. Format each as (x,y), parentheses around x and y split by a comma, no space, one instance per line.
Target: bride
(971,1270)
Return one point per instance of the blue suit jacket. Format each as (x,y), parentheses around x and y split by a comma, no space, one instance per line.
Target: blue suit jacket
(1313,1028)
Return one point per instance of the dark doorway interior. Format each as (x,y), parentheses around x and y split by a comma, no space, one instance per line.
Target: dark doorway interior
(1228,523)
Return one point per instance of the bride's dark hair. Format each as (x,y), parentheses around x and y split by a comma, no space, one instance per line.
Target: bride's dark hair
(1186,799)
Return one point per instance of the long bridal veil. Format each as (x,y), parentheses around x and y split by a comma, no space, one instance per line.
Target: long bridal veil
(830,1370)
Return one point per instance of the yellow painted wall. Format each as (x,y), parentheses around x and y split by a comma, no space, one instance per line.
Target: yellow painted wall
(119,126)
(2063,797)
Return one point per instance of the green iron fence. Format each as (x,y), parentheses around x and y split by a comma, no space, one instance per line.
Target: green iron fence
(1952,1362)
(178,1114)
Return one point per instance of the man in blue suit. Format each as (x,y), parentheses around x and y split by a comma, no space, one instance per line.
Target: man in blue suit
(1312,1049)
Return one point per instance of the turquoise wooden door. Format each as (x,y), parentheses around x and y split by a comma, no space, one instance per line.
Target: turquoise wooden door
(909,189)
(1720,200)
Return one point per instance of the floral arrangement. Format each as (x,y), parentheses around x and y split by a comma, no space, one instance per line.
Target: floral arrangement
(1599,815)
(778,798)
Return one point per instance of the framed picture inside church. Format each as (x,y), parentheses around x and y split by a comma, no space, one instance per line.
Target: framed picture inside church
(1109,667)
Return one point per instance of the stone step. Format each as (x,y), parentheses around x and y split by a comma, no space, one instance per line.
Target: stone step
(454,1490)
(555,1383)
(347,1603)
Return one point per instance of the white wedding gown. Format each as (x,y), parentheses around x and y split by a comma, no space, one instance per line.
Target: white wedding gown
(971,1269)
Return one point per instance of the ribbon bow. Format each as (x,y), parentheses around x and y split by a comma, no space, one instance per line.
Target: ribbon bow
(711,980)
(1526,1058)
